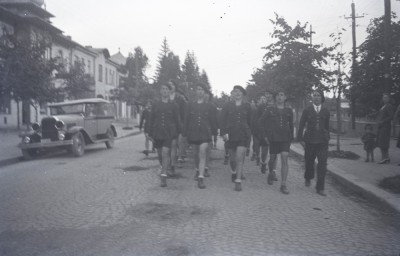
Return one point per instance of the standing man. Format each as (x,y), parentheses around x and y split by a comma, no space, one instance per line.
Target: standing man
(385,116)
(164,127)
(277,127)
(200,126)
(177,142)
(263,143)
(144,123)
(315,140)
(235,129)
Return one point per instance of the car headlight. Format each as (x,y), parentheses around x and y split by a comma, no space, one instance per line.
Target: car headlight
(61,136)
(26,140)
(36,127)
(59,124)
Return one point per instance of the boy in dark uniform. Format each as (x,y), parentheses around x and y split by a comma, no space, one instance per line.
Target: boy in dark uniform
(315,140)
(277,127)
(207,99)
(164,127)
(200,126)
(235,128)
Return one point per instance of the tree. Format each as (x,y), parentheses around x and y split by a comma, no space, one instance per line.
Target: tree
(291,63)
(369,78)
(135,80)
(77,83)
(25,73)
(190,71)
(168,67)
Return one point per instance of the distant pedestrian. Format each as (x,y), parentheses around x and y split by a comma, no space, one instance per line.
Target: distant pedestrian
(277,130)
(200,126)
(164,127)
(369,141)
(207,99)
(315,140)
(144,124)
(235,129)
(396,119)
(176,142)
(385,116)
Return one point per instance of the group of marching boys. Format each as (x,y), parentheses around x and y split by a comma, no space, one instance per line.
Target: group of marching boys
(172,122)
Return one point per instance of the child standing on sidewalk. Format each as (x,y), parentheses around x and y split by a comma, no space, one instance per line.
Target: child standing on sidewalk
(369,140)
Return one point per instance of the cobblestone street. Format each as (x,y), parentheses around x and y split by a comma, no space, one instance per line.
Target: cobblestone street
(109,202)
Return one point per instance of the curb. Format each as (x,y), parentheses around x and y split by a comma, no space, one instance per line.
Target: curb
(367,190)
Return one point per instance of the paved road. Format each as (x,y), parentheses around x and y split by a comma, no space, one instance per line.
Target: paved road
(109,203)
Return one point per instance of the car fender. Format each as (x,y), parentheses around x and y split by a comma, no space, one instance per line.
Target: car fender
(76,129)
(114,130)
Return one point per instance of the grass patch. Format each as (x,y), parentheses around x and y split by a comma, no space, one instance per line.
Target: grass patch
(343,154)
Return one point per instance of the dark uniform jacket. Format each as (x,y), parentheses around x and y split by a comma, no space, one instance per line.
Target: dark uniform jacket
(164,121)
(316,125)
(385,116)
(200,122)
(257,122)
(236,121)
(277,124)
(181,105)
(144,120)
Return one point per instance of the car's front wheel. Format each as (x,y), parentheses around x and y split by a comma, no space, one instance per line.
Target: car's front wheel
(110,137)
(78,144)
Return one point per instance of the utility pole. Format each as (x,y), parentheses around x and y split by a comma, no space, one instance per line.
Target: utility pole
(311,32)
(387,38)
(353,17)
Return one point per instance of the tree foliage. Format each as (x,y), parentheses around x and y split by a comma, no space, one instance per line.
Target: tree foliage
(25,72)
(77,84)
(290,63)
(369,75)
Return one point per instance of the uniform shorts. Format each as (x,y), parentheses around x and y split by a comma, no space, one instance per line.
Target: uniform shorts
(240,143)
(263,142)
(278,147)
(198,142)
(163,143)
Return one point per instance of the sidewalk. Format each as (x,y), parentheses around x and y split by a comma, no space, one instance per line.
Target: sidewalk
(359,175)
(10,153)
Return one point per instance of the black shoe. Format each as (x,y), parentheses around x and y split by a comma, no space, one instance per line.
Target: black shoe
(171,172)
(308,183)
(258,161)
(233,177)
(146,152)
(270,179)
(384,161)
(321,192)
(263,168)
(163,181)
(206,172)
(200,183)
(238,186)
(284,190)
(196,175)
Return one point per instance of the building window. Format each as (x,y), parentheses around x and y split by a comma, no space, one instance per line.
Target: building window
(106,76)
(112,73)
(76,60)
(5,104)
(100,73)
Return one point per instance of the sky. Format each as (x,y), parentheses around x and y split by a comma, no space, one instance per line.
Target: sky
(226,36)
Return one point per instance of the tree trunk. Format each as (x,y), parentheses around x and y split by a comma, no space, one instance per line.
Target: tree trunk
(339,119)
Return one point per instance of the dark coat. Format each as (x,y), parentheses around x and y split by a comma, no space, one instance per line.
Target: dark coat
(277,124)
(385,116)
(369,140)
(200,122)
(258,130)
(164,121)
(236,121)
(181,105)
(316,125)
(144,120)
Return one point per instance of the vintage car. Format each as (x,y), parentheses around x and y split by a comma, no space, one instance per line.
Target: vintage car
(71,125)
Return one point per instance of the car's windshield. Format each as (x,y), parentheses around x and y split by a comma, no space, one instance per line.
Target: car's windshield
(66,109)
